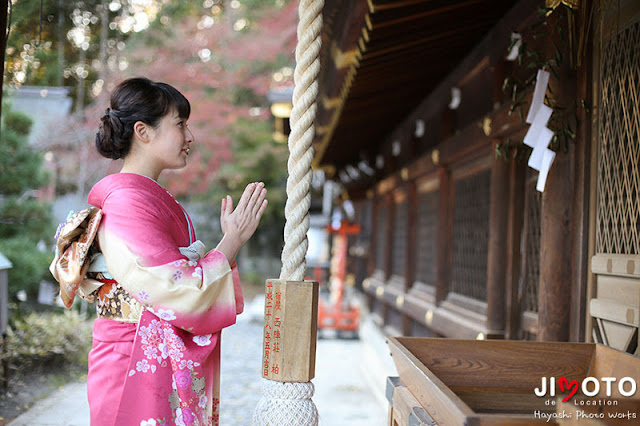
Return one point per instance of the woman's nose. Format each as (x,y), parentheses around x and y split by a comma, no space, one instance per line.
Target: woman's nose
(189,136)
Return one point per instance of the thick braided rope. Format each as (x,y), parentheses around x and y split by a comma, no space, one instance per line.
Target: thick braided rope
(300,149)
(286,404)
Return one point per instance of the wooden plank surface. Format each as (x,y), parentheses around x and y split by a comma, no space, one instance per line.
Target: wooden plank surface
(407,410)
(614,311)
(498,364)
(626,265)
(608,362)
(501,400)
(291,326)
(507,420)
(438,400)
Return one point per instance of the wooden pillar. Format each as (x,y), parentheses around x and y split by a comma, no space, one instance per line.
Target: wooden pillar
(388,230)
(554,294)
(517,173)
(373,243)
(445,210)
(410,265)
(444,234)
(498,207)
(412,234)
(580,221)
(388,250)
(373,235)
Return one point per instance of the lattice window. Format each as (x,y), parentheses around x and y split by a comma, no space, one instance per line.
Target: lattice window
(531,242)
(381,237)
(427,237)
(619,132)
(399,253)
(471,236)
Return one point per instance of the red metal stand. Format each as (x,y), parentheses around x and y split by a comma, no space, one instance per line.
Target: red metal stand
(338,314)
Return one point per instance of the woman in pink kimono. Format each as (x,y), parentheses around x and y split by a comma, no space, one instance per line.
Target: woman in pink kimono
(163,301)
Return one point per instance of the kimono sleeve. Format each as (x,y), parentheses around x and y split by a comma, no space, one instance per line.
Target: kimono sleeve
(201,297)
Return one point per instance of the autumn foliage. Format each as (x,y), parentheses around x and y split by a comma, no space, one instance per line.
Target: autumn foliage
(225,74)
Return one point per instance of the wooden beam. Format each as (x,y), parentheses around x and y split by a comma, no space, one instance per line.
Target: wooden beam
(402,46)
(419,15)
(377,7)
(495,43)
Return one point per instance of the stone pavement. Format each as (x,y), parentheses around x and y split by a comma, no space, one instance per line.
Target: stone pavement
(343,396)
(67,407)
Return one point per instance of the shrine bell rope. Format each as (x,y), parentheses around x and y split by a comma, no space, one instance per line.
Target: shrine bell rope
(302,117)
(284,402)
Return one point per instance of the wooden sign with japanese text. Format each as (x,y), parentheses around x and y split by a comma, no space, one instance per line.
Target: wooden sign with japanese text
(290,329)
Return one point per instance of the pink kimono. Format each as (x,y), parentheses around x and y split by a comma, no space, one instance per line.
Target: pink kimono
(156,348)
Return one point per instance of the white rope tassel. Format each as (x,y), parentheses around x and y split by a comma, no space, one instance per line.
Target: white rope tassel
(300,149)
(286,404)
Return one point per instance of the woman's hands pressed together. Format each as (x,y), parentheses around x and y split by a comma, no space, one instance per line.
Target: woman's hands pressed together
(239,225)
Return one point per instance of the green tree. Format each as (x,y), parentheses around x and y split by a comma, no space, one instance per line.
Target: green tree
(24,220)
(72,43)
(257,158)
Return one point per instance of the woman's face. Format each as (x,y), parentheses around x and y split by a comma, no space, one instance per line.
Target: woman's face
(171,141)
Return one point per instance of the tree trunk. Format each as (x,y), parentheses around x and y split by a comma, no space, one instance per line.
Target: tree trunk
(61,43)
(104,36)
(81,83)
(4,5)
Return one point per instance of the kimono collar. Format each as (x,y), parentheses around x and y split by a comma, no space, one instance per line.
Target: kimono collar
(101,190)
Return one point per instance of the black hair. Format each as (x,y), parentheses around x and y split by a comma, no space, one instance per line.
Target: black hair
(133,100)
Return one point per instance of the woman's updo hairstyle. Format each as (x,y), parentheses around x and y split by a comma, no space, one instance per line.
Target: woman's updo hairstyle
(133,100)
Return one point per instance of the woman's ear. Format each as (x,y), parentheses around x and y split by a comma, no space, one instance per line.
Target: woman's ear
(142,131)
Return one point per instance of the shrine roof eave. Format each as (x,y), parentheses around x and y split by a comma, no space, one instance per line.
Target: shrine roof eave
(380,59)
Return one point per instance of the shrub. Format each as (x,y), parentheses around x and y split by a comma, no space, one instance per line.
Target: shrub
(18,122)
(43,338)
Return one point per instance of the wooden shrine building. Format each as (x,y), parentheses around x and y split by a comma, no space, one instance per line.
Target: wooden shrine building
(421,118)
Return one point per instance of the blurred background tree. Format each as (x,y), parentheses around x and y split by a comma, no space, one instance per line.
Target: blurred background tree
(25,221)
(224,55)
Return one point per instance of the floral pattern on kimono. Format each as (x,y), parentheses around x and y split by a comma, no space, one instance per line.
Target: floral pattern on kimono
(164,347)
(173,375)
